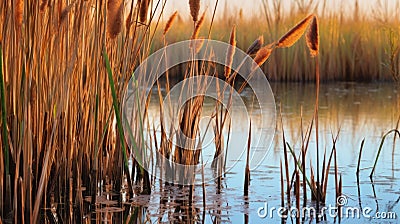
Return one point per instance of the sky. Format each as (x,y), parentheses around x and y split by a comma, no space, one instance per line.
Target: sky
(254,7)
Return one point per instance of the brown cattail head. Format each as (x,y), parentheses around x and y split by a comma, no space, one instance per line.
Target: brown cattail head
(169,22)
(230,53)
(144,6)
(19,13)
(255,46)
(295,33)
(263,54)
(194,6)
(312,37)
(114,17)
(196,30)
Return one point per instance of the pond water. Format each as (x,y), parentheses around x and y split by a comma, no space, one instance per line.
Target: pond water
(357,111)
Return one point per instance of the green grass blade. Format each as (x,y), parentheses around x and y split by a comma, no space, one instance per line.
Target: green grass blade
(116,109)
(3,114)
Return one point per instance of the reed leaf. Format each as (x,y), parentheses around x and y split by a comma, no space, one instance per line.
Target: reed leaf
(380,149)
(3,115)
(116,109)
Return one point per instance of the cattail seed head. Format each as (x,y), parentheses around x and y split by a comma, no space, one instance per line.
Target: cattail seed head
(144,6)
(230,53)
(295,33)
(312,37)
(194,6)
(196,30)
(169,22)
(255,46)
(263,54)
(114,17)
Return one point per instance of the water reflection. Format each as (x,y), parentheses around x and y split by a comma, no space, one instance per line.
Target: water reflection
(358,110)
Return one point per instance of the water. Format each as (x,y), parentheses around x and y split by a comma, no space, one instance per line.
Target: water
(357,111)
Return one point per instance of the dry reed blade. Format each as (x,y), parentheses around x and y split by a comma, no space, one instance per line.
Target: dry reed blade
(295,33)
(194,6)
(230,53)
(255,46)
(297,192)
(312,37)
(282,186)
(247,169)
(395,131)
(114,17)
(285,157)
(359,158)
(169,23)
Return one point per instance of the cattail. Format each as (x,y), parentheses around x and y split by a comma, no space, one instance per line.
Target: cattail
(230,52)
(263,54)
(194,6)
(65,12)
(196,30)
(295,33)
(144,6)
(169,22)
(19,12)
(43,5)
(255,46)
(312,37)
(114,17)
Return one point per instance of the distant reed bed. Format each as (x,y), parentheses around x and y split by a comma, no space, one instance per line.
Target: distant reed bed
(356,46)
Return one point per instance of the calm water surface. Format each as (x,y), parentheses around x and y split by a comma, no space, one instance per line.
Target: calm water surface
(356,111)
